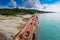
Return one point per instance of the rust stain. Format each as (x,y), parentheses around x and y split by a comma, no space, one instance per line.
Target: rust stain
(27,32)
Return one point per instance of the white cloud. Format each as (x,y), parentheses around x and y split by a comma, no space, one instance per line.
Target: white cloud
(32,4)
(52,7)
(28,3)
(1,7)
(12,4)
(38,5)
(45,7)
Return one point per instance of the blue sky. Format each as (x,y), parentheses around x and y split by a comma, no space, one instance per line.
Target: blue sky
(49,1)
(20,2)
(39,4)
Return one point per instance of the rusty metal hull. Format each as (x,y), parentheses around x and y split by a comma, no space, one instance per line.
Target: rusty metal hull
(28,32)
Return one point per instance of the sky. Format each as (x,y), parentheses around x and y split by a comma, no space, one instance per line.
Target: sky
(46,5)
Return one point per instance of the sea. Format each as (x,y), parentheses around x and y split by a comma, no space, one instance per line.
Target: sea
(48,27)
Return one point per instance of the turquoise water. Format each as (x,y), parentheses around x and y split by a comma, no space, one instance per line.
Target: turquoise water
(49,26)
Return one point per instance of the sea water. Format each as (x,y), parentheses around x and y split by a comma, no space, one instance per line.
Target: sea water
(48,27)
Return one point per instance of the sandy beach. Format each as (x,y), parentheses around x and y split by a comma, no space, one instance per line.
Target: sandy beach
(10,25)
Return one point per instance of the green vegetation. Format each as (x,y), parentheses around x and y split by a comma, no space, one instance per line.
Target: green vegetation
(16,11)
(19,11)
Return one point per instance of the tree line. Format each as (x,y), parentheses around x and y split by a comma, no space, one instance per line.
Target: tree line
(16,11)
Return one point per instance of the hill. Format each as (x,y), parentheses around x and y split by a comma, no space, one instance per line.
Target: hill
(20,11)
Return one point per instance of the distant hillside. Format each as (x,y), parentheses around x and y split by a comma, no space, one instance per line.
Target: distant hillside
(19,11)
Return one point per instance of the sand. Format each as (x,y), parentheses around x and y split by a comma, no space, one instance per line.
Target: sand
(11,25)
